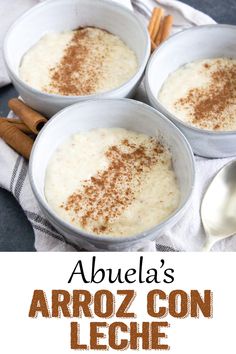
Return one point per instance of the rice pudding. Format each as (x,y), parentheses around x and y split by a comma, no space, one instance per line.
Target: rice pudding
(112,181)
(81,62)
(203,94)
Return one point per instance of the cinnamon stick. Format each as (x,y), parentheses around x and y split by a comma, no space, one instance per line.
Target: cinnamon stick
(157,40)
(155,22)
(22,127)
(34,120)
(167,24)
(152,21)
(10,120)
(18,124)
(154,25)
(158,22)
(19,141)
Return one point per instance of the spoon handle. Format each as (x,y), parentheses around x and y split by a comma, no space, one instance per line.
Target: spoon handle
(210,241)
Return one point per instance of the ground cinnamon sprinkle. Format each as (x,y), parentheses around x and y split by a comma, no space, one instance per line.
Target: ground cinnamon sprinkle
(107,194)
(79,69)
(210,105)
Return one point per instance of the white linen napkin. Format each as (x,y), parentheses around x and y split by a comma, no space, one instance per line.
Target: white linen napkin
(187,234)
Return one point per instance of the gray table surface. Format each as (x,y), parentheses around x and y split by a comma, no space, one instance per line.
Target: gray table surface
(16,233)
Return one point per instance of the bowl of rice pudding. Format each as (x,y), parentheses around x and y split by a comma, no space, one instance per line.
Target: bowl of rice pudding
(65,51)
(111,174)
(191,79)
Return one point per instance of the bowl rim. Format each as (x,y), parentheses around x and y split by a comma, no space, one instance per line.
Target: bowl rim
(106,238)
(157,102)
(126,84)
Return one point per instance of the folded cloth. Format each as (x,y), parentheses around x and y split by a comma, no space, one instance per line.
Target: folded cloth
(188,233)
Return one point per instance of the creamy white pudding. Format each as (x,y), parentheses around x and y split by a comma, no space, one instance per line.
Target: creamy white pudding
(81,62)
(203,94)
(112,182)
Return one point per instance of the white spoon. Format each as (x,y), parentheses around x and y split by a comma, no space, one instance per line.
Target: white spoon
(218,209)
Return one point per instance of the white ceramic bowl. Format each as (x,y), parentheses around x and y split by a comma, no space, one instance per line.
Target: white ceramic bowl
(62,15)
(123,113)
(184,47)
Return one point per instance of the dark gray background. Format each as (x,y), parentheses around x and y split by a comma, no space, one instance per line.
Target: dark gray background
(15,231)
